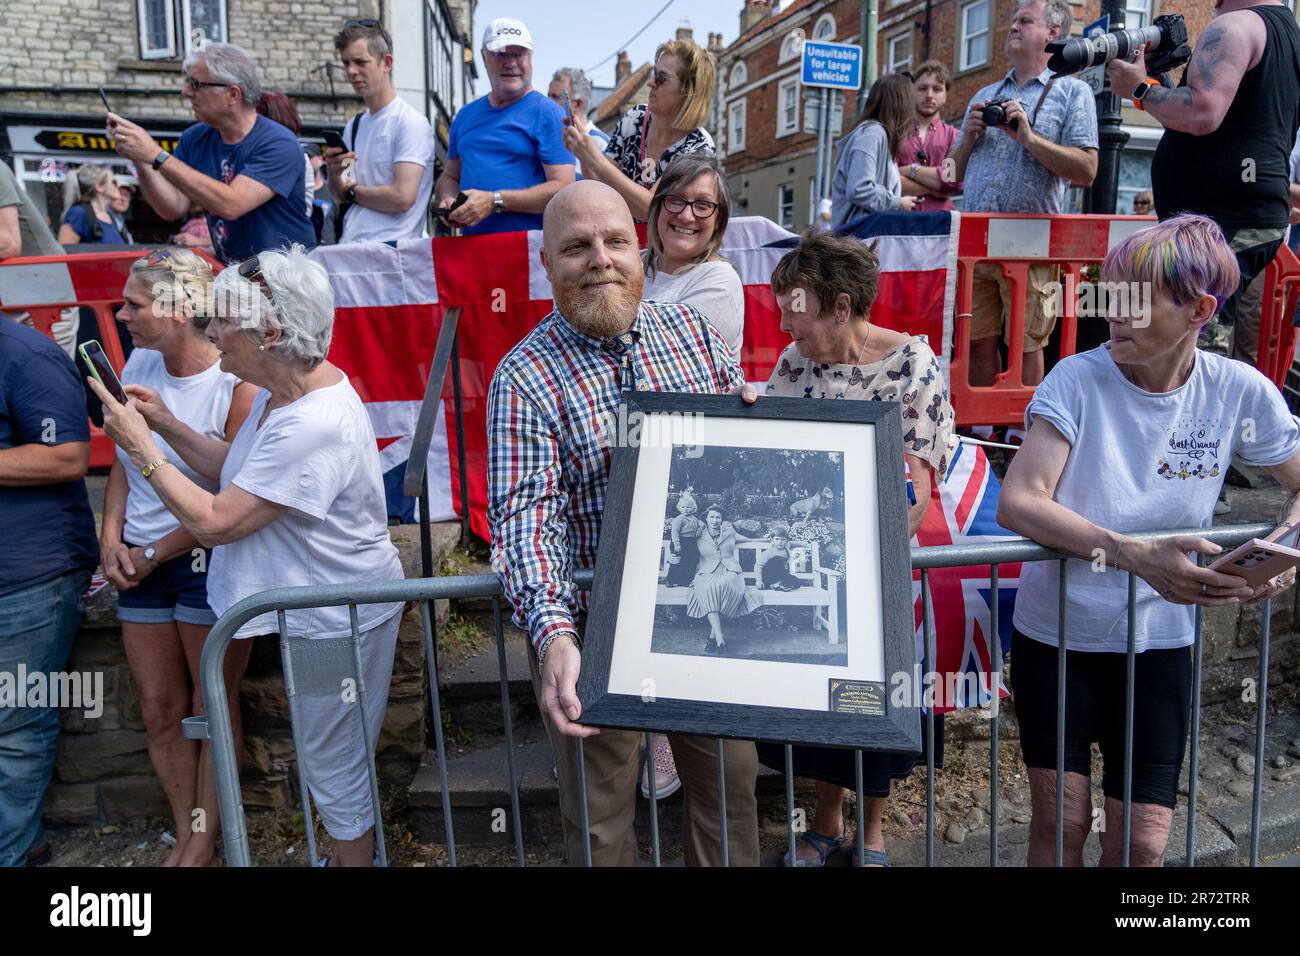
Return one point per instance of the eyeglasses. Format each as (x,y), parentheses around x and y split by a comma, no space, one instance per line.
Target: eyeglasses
(194,84)
(702,208)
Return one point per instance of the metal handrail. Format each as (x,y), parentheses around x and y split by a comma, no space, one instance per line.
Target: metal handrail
(216,725)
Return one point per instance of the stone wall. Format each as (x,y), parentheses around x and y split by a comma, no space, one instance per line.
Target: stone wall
(97,42)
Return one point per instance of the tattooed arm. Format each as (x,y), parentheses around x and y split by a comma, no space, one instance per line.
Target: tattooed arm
(1227,48)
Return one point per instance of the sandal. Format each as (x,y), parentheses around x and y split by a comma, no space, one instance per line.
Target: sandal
(871,857)
(823,844)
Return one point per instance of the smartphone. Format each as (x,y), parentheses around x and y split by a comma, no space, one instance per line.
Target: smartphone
(334,140)
(103,98)
(1260,559)
(92,353)
(568,110)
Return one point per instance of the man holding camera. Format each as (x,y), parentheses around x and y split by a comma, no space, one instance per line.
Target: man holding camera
(1229,127)
(390,146)
(1026,140)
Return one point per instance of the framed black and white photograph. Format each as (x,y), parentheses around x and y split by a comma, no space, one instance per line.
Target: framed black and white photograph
(753,578)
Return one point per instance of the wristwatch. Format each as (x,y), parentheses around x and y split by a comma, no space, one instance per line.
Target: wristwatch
(153,466)
(498,204)
(161,158)
(350,194)
(1142,90)
(151,555)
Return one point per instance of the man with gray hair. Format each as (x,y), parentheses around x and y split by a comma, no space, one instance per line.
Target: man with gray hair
(244,170)
(573,80)
(1046,142)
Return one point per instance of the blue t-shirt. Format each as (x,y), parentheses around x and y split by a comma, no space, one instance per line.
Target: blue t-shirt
(505,148)
(47,530)
(269,154)
(79,219)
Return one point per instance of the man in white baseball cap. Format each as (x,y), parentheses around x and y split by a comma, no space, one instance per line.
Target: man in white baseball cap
(506,31)
(506,152)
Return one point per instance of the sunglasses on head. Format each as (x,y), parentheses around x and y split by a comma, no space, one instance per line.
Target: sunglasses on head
(251,269)
(368,24)
(157,257)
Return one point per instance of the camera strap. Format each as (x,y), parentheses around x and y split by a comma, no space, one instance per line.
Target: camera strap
(1042,96)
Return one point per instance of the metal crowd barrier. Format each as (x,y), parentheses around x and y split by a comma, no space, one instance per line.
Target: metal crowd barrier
(216,725)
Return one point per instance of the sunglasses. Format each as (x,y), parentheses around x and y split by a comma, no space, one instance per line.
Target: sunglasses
(661,78)
(702,208)
(368,24)
(157,257)
(251,269)
(194,84)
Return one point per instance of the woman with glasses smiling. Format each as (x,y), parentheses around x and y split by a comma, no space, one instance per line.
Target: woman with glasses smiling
(650,137)
(688,216)
(1142,204)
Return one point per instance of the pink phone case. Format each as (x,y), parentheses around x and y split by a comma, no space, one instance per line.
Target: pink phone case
(1257,561)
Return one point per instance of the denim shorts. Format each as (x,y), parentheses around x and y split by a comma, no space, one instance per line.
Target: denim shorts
(173,591)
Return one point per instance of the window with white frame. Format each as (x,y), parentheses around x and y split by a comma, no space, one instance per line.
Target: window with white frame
(974,29)
(785,205)
(825,29)
(1137,14)
(899,52)
(787,117)
(172,29)
(791,46)
(736,126)
(739,76)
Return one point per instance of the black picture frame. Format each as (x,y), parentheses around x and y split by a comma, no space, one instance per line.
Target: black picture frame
(898,729)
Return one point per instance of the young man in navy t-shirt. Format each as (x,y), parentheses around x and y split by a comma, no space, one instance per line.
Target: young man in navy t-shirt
(506,151)
(244,170)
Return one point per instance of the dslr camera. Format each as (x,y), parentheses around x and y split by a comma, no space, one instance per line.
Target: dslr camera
(995,114)
(1166,38)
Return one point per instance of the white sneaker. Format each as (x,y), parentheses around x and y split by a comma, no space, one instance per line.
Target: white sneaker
(665,770)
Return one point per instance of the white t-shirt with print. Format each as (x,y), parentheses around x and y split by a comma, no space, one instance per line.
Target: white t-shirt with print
(1141,461)
(396,134)
(200,401)
(318,457)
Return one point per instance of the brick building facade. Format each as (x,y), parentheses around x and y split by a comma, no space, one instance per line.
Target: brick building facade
(771,163)
(51,117)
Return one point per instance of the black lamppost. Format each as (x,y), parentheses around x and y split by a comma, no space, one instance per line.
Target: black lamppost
(1101,195)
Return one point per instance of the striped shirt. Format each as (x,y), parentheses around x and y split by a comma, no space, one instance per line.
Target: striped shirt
(547,464)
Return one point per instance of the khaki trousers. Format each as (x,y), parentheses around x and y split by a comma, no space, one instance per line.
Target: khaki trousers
(612,760)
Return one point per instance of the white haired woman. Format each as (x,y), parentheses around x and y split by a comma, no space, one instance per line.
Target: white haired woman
(158,567)
(88,196)
(301,503)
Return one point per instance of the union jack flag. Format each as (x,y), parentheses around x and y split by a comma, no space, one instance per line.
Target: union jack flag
(963,509)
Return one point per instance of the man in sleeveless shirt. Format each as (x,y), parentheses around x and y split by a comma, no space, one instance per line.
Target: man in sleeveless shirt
(1229,126)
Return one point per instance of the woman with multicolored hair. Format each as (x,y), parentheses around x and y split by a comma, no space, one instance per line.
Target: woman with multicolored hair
(158,567)
(1136,435)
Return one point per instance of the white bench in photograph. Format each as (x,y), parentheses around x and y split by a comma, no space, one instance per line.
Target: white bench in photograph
(820,591)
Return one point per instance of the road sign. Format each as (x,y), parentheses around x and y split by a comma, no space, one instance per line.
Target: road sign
(812,114)
(834,65)
(1095,76)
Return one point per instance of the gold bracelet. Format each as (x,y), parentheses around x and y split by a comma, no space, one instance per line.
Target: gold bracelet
(153,466)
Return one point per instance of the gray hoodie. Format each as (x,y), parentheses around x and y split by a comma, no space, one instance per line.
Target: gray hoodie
(866,176)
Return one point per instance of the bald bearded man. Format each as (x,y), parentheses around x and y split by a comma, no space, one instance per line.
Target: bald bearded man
(547,476)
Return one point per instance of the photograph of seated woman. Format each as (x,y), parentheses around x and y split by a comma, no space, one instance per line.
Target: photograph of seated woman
(718,589)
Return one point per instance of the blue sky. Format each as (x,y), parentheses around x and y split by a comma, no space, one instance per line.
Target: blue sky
(572,33)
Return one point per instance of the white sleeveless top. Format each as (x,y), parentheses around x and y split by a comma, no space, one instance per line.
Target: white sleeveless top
(202,402)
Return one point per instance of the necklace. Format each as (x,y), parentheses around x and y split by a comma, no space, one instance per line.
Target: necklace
(863,351)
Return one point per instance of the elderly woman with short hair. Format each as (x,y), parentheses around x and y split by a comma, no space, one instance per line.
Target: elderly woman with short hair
(301,503)
(825,287)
